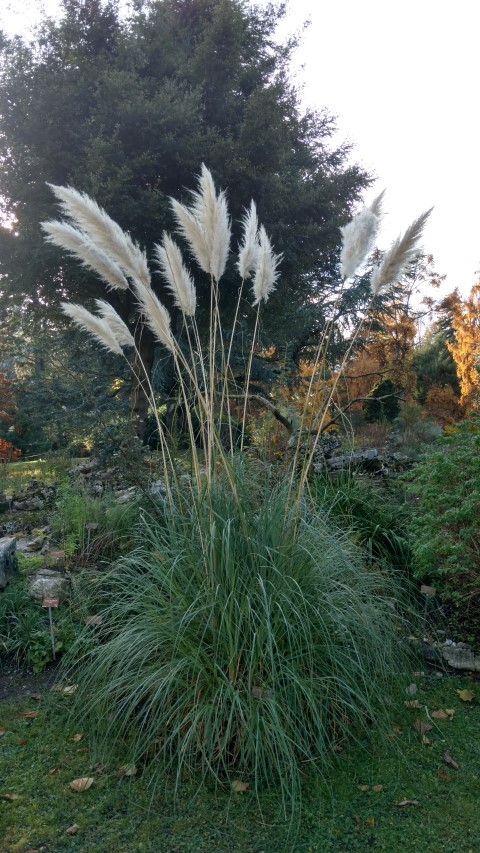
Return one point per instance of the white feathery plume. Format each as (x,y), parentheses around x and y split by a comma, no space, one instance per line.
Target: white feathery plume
(248,253)
(402,251)
(376,205)
(104,232)
(80,246)
(358,236)
(114,321)
(266,272)
(206,225)
(179,280)
(156,315)
(95,326)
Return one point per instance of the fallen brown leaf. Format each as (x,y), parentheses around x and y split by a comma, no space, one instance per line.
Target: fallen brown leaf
(93,620)
(69,690)
(422,727)
(363,787)
(377,788)
(83,749)
(465,695)
(82,784)
(99,768)
(371,821)
(412,703)
(28,715)
(449,760)
(427,590)
(442,775)
(22,741)
(357,819)
(2,731)
(450,712)
(408,803)
(53,771)
(36,696)
(426,740)
(73,829)
(240,787)
(440,715)
(127,770)
(76,738)
(9,798)
(411,690)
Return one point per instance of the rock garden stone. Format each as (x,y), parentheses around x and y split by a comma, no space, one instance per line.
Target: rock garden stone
(48,583)
(7,560)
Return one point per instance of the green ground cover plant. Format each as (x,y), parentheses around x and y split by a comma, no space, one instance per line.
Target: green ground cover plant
(445,492)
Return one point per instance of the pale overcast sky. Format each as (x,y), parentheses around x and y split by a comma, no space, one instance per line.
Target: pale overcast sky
(402,80)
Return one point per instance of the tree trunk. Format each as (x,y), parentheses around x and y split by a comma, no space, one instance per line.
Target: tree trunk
(139,389)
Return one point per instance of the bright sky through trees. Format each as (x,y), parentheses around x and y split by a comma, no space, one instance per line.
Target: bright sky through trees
(402,81)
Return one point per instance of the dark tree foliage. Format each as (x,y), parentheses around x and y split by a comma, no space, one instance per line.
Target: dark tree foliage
(127,109)
(382,403)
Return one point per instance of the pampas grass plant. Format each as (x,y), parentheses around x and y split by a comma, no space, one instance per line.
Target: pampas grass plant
(243,637)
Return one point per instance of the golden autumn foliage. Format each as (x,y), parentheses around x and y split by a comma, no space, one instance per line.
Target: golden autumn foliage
(465,347)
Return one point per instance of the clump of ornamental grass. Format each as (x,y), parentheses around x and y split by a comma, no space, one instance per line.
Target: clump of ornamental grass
(242,638)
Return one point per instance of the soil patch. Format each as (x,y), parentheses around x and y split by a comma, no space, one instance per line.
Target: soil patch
(18,681)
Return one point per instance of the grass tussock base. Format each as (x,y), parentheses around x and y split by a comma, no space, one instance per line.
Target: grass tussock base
(243,639)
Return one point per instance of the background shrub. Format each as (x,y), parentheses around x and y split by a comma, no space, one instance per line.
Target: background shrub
(445,487)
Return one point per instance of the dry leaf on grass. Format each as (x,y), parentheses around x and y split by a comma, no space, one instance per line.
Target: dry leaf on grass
(377,788)
(69,690)
(465,695)
(450,712)
(408,803)
(76,738)
(371,821)
(53,771)
(127,770)
(449,760)
(422,727)
(411,690)
(440,715)
(442,775)
(82,784)
(28,715)
(2,731)
(9,798)
(412,703)
(22,741)
(363,787)
(73,829)
(426,740)
(240,787)
(357,819)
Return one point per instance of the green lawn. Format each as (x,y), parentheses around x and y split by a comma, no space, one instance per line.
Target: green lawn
(39,759)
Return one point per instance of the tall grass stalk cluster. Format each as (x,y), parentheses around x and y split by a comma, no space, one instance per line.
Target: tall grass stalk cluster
(242,635)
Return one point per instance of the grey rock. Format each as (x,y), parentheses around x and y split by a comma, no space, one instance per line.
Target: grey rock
(7,560)
(460,656)
(48,583)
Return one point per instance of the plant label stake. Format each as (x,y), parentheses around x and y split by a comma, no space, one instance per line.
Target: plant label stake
(51,603)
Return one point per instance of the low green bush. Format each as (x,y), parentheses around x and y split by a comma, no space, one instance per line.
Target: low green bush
(25,629)
(445,518)
(375,514)
(93,527)
(242,638)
